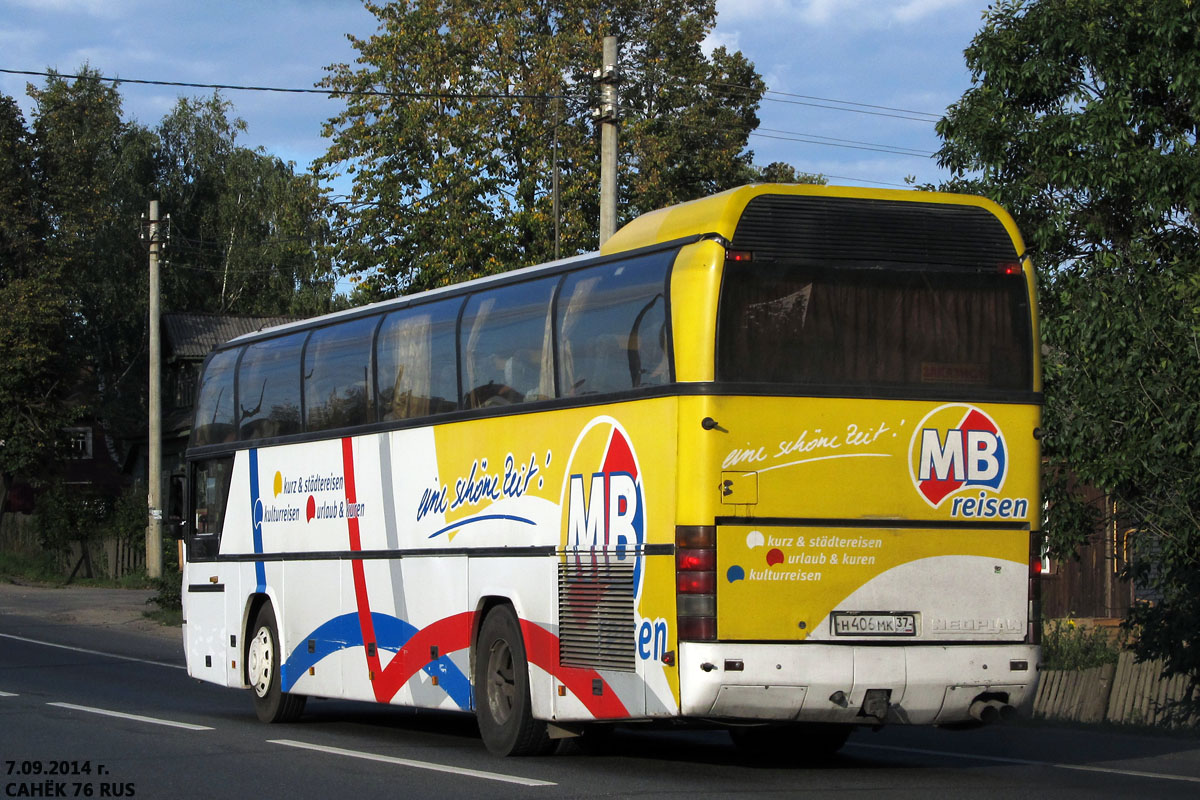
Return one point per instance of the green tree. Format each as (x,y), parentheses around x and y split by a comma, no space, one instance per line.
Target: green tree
(779,172)
(457,114)
(93,169)
(246,228)
(1082,119)
(34,381)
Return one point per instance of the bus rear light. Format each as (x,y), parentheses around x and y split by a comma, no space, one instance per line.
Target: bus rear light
(695,558)
(739,255)
(1009,268)
(696,605)
(696,582)
(697,629)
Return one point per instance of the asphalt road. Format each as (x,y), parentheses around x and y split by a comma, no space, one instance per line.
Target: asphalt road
(95,702)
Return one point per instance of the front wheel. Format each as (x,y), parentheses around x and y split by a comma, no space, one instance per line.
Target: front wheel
(263,660)
(502,705)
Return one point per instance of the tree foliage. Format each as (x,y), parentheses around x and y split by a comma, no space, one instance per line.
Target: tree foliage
(456,115)
(1082,119)
(246,229)
(33,393)
(74,184)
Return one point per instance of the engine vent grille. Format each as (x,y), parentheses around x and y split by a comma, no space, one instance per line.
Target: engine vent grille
(595,613)
(832,230)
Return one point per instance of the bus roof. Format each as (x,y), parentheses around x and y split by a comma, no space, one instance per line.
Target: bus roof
(719,214)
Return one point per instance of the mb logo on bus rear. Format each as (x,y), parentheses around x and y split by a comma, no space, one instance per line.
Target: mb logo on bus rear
(958,454)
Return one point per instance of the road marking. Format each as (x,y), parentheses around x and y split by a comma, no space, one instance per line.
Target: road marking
(135,717)
(405,762)
(1133,773)
(7,694)
(91,652)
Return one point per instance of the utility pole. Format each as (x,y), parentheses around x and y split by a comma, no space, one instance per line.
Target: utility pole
(154,468)
(557,206)
(607,115)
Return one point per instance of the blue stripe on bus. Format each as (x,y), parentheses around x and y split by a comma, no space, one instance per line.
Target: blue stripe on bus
(481,518)
(256,516)
(391,633)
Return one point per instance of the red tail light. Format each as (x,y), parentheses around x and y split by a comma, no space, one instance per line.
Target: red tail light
(696,582)
(1034,633)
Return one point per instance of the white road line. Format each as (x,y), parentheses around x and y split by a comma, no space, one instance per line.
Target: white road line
(91,652)
(404,762)
(135,717)
(1132,773)
(7,694)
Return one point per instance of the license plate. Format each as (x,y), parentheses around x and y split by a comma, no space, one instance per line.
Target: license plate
(874,623)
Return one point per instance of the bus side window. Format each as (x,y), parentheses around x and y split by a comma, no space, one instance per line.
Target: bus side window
(612,332)
(269,388)
(214,421)
(416,362)
(336,367)
(507,345)
(210,494)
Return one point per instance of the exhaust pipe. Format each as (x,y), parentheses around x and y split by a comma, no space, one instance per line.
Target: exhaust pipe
(990,712)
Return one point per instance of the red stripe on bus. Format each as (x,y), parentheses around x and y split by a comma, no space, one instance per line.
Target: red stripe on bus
(360,579)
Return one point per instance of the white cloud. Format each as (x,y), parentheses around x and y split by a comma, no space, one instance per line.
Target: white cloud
(823,13)
(914,10)
(717,39)
(103,9)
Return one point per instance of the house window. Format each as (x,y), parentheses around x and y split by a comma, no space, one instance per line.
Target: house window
(79,443)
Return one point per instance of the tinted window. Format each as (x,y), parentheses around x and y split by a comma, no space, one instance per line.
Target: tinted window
(873,328)
(417,370)
(210,496)
(506,339)
(214,422)
(337,362)
(612,330)
(269,388)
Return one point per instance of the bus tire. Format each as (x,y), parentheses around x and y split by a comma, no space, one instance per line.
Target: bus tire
(804,743)
(263,660)
(502,705)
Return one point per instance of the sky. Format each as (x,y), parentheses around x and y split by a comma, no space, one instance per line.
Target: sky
(891,57)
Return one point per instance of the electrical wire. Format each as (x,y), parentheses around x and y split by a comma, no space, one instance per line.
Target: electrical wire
(284,90)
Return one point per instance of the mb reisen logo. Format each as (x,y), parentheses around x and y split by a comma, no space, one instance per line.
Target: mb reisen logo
(958,454)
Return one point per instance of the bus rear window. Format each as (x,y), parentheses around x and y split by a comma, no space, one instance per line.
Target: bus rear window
(868,329)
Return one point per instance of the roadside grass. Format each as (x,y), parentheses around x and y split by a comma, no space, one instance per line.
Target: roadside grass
(1069,645)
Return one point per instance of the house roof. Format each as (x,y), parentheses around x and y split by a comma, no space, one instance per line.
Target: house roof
(193,336)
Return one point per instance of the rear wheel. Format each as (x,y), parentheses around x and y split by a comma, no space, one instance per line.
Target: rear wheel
(263,660)
(801,742)
(502,705)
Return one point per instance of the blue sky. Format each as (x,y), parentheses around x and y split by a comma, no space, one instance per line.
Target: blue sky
(902,54)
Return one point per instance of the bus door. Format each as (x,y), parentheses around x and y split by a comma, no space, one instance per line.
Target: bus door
(206,640)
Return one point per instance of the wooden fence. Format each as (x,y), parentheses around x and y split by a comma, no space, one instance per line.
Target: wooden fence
(1126,693)
(111,557)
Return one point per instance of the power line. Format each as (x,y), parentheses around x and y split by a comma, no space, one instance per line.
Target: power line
(860,108)
(898,149)
(326,92)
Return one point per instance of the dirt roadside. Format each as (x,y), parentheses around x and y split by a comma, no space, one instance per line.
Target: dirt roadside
(115,609)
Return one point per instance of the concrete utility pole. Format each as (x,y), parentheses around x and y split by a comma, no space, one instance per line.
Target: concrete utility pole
(154,468)
(607,114)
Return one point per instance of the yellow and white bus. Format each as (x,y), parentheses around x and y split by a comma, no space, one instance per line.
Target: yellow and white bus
(769,460)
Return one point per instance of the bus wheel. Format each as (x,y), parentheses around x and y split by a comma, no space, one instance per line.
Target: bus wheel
(804,743)
(271,703)
(502,705)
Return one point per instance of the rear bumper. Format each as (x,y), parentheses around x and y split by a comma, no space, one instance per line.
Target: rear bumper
(812,682)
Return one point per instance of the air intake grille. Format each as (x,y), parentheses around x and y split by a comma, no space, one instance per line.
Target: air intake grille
(872,232)
(595,613)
